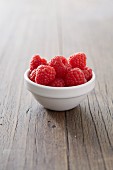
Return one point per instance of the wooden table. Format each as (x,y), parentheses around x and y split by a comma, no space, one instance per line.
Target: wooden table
(31,137)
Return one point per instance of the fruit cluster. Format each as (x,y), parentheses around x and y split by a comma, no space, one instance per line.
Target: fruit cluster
(59,71)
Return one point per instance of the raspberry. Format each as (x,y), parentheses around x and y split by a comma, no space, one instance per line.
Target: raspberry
(43,61)
(36,61)
(75,77)
(60,65)
(58,82)
(78,60)
(87,73)
(32,75)
(45,74)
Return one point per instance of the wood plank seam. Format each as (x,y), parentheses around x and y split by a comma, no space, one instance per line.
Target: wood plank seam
(67,142)
(83,139)
(104,122)
(97,134)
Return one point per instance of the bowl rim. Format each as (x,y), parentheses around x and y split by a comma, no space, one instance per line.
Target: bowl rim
(57,88)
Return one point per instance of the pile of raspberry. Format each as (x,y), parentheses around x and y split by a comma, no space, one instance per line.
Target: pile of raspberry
(59,71)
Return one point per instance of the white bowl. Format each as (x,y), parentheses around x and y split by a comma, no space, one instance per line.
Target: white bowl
(59,98)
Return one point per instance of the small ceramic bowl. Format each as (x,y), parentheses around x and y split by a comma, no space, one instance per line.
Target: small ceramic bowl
(59,98)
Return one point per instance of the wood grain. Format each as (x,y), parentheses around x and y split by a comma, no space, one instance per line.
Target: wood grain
(32,137)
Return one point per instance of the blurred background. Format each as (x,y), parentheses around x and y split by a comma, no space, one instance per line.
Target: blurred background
(51,27)
(56,27)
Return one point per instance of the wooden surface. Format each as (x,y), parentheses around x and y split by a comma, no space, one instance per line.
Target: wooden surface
(31,137)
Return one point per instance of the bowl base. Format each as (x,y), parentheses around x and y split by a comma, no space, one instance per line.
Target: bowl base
(58,104)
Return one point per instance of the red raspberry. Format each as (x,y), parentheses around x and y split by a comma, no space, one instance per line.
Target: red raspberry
(75,77)
(60,65)
(32,75)
(43,61)
(78,60)
(58,82)
(88,73)
(36,61)
(45,74)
